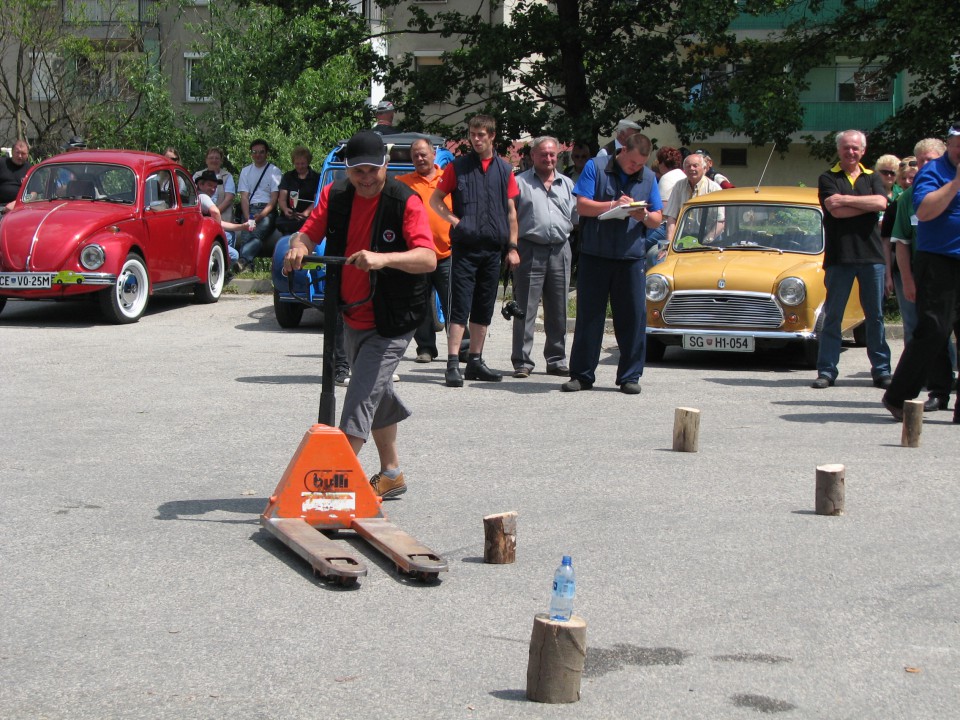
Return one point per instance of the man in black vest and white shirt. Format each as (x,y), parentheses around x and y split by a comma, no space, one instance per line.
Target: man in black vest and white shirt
(379,225)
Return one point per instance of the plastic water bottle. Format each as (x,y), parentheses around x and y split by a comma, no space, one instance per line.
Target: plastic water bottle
(564,588)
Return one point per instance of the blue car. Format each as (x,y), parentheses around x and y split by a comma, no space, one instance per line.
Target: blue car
(309,284)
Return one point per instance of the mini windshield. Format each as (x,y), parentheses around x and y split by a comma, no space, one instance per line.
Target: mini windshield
(82,181)
(781,228)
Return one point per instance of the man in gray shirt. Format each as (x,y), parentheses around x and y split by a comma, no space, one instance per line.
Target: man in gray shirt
(546,213)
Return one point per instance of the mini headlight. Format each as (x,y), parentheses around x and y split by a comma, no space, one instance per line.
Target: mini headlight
(658,287)
(791,291)
(92,257)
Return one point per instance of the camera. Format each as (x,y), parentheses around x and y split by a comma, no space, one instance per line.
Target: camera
(512,310)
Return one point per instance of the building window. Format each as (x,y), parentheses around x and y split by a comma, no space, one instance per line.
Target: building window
(43,81)
(733,157)
(424,60)
(101,11)
(196,91)
(867,84)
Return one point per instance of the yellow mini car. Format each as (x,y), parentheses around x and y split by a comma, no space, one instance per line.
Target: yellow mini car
(744,271)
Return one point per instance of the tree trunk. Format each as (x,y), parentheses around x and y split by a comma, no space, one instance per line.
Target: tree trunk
(912,423)
(557,654)
(686,429)
(500,538)
(830,489)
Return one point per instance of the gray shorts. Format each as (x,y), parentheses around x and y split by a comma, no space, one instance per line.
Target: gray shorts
(370,402)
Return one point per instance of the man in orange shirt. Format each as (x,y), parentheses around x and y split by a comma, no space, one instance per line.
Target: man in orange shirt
(424,181)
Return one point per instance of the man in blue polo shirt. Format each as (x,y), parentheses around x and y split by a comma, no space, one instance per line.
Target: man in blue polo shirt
(936,268)
(612,263)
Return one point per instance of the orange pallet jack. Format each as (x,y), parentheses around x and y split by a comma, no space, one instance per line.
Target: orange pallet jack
(324,489)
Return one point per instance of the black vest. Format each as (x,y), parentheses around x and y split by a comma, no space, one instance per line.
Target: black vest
(480,201)
(399,298)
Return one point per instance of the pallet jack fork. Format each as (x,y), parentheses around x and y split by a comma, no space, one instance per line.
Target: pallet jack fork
(325,489)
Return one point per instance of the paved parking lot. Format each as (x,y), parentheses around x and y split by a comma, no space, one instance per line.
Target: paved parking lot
(137,583)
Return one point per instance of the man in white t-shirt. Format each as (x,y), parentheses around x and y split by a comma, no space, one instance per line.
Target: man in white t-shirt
(259,188)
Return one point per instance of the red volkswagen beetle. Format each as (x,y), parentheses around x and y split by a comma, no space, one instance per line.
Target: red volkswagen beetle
(118,224)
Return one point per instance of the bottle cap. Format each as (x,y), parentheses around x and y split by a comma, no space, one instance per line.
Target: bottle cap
(567,560)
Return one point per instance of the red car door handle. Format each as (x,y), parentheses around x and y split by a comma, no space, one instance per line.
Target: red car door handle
(179,221)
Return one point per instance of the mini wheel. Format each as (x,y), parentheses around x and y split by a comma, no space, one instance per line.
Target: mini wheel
(425,576)
(345,581)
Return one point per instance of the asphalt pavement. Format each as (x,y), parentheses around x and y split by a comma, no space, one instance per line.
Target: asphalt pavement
(137,582)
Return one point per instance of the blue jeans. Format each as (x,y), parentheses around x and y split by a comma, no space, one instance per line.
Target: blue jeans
(838,280)
(908,310)
(251,243)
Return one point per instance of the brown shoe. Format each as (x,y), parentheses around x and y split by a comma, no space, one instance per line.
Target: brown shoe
(386,487)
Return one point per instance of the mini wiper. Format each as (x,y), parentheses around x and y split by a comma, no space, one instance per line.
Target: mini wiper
(754,246)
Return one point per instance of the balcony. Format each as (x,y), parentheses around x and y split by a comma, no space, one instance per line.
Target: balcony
(830,116)
(108,12)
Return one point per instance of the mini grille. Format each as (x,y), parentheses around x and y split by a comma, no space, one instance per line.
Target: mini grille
(726,310)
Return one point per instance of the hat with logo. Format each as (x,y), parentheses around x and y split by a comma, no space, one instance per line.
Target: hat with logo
(365,148)
(209,176)
(385,106)
(75,143)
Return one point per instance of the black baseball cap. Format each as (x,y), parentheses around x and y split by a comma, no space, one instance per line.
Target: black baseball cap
(209,175)
(365,148)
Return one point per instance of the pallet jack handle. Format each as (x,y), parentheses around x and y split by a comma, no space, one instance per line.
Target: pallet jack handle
(327,414)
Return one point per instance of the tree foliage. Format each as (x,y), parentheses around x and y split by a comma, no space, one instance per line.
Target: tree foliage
(65,79)
(290,77)
(574,67)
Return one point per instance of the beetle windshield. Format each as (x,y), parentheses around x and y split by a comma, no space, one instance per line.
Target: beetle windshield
(82,181)
(782,228)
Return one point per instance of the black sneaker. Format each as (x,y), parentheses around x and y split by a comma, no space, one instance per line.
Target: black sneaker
(822,382)
(342,378)
(478,370)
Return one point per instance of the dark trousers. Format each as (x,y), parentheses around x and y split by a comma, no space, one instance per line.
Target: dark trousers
(439,280)
(938,294)
(623,282)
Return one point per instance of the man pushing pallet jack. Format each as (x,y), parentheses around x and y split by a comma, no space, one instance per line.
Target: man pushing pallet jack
(379,245)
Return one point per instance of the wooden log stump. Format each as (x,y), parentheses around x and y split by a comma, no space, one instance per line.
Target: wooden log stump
(912,423)
(557,653)
(686,429)
(830,489)
(500,538)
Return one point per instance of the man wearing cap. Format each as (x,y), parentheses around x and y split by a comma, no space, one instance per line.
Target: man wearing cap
(484,225)
(625,128)
(936,269)
(207,182)
(380,225)
(75,143)
(384,113)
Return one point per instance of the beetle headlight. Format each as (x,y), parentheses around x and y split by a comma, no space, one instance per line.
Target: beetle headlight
(791,291)
(658,287)
(92,257)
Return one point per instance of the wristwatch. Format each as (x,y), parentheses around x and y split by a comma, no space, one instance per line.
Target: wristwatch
(512,246)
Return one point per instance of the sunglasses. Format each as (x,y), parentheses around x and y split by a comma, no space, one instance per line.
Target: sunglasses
(954,129)
(906,164)
(888,173)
